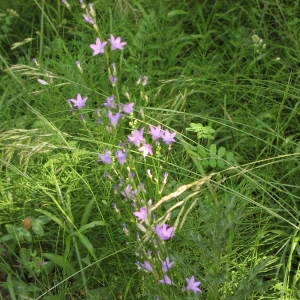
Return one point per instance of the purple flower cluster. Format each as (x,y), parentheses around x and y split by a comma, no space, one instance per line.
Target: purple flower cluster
(106,158)
(116,43)
(145,140)
(157,133)
(123,110)
(137,138)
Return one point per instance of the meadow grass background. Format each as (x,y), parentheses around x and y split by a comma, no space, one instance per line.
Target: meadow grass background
(206,64)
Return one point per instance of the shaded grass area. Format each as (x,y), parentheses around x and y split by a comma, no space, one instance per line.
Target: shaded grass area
(205,65)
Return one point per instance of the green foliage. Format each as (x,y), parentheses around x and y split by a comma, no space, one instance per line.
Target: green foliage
(203,132)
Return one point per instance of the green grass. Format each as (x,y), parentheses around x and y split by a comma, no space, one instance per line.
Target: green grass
(238,233)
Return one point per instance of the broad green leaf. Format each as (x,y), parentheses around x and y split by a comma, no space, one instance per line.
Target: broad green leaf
(60,261)
(86,243)
(221,152)
(53,218)
(213,150)
(91,225)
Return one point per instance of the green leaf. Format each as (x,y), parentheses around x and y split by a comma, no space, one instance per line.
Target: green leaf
(86,243)
(203,132)
(37,228)
(212,162)
(53,218)
(213,150)
(221,152)
(61,262)
(87,212)
(91,225)
(176,12)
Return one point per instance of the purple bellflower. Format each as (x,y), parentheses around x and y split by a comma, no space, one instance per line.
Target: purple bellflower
(113,80)
(166,280)
(167,264)
(121,157)
(98,47)
(65,2)
(192,285)
(168,137)
(128,108)
(88,19)
(155,132)
(128,193)
(105,157)
(110,102)
(116,43)
(141,214)
(146,149)
(137,136)
(42,81)
(114,118)
(164,232)
(79,102)
(146,266)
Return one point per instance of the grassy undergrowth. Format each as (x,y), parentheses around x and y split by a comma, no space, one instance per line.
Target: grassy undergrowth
(223,75)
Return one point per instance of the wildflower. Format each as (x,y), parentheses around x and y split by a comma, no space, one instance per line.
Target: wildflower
(78,65)
(137,136)
(192,285)
(143,80)
(121,156)
(113,80)
(166,280)
(115,207)
(128,192)
(125,230)
(146,149)
(141,214)
(141,187)
(116,43)
(43,82)
(114,68)
(64,2)
(167,264)
(92,10)
(110,102)
(88,19)
(114,118)
(105,157)
(166,175)
(131,175)
(168,137)
(34,60)
(155,132)
(164,232)
(146,266)
(98,47)
(128,108)
(79,102)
